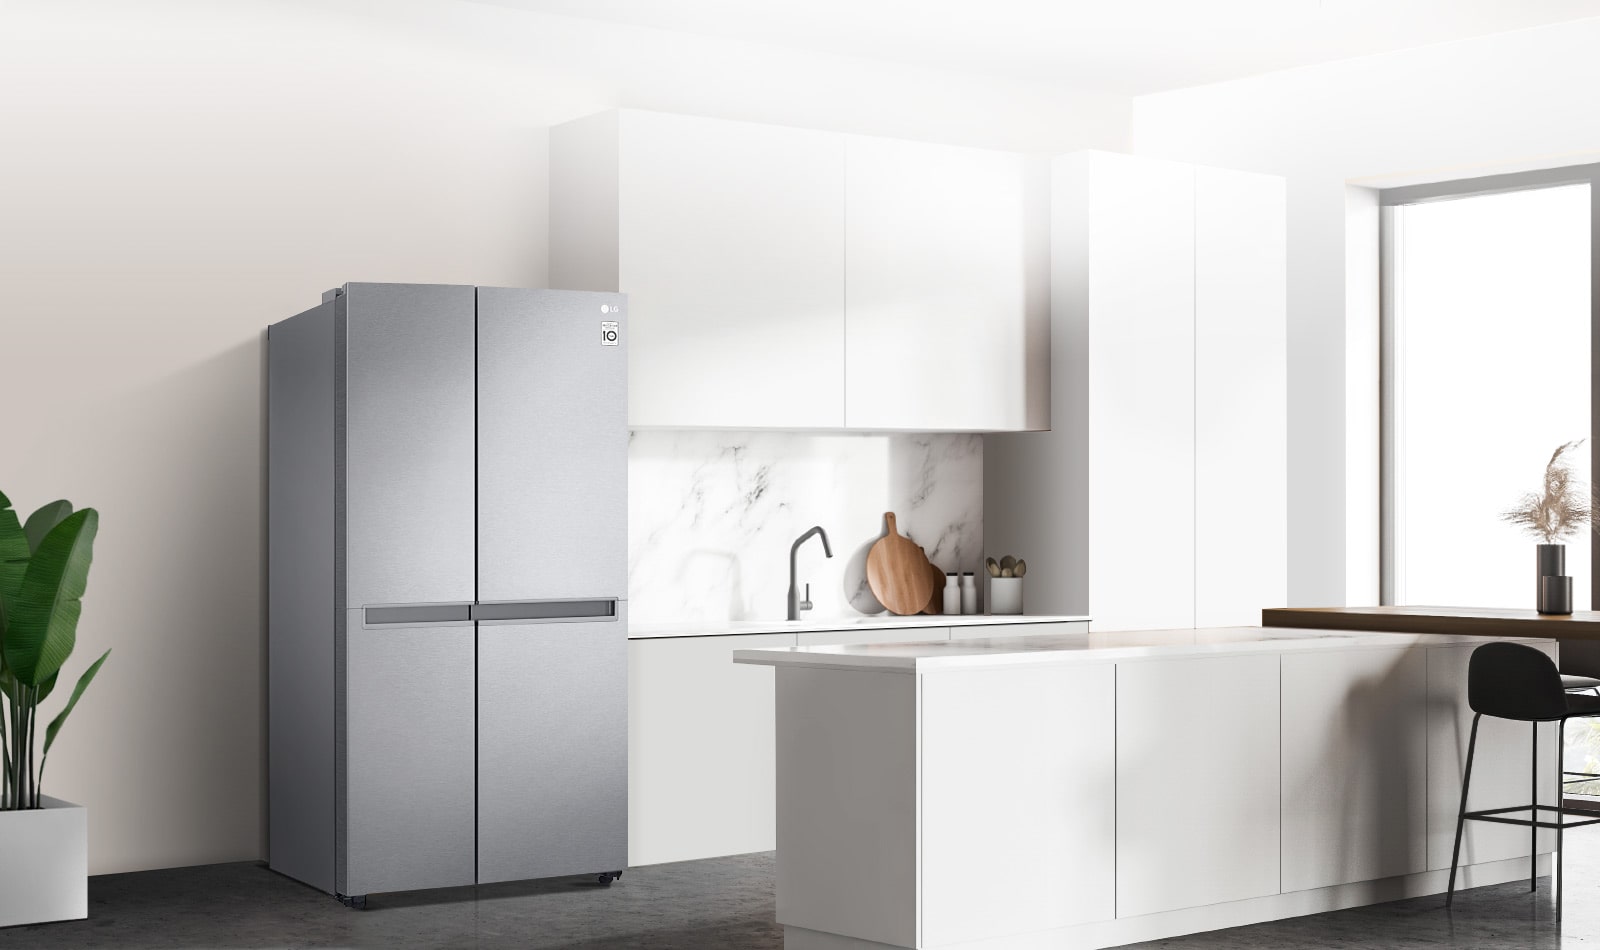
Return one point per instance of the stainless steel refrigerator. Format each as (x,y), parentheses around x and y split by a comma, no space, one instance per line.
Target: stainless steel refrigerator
(447,587)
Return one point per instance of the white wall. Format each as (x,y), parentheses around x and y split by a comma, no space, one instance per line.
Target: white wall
(179,174)
(1498,103)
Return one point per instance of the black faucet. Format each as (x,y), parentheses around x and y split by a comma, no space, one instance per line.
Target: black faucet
(795,606)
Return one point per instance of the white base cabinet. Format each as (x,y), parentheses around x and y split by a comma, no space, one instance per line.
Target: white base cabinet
(1354,774)
(1197,782)
(701,760)
(701,765)
(982,736)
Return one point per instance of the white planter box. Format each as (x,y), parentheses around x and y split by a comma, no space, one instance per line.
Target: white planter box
(45,875)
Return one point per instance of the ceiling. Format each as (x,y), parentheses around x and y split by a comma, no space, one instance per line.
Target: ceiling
(1127,47)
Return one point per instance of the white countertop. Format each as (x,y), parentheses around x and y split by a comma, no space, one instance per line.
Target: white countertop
(1080,647)
(877,621)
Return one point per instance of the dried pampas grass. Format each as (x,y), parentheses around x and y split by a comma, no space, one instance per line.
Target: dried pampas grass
(1562,510)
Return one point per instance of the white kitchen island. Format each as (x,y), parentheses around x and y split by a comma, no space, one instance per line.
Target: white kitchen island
(1093,790)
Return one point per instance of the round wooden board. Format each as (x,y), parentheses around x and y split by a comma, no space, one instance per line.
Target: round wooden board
(897,572)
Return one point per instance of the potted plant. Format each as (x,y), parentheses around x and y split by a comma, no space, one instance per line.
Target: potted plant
(1558,512)
(44,570)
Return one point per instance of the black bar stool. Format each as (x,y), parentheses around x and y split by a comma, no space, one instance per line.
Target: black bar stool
(1514,681)
(1572,682)
(1579,664)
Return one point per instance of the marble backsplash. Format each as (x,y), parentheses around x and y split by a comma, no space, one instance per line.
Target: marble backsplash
(711,516)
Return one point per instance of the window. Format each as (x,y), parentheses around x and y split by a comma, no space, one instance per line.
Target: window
(1488,371)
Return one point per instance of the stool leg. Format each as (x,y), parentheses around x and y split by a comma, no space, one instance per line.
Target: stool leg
(1461,816)
(1533,837)
(1561,814)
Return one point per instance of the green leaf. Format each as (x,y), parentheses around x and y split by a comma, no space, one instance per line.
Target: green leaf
(14,552)
(46,687)
(8,687)
(77,691)
(43,625)
(42,521)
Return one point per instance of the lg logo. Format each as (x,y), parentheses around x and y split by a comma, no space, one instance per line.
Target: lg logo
(608,333)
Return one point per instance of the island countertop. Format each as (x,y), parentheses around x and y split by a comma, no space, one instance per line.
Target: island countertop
(920,657)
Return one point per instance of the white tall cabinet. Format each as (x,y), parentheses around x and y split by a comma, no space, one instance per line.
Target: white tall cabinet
(1158,499)
(1241,420)
(803,279)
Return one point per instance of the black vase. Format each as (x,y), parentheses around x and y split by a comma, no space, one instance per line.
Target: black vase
(1552,562)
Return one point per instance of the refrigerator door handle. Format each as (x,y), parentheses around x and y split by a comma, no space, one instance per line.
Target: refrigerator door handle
(413,614)
(547,611)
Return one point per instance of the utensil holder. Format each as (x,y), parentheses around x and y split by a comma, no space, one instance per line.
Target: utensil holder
(1005,595)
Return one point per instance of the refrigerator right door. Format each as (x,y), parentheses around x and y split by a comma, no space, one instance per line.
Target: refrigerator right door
(552,445)
(552,584)
(552,748)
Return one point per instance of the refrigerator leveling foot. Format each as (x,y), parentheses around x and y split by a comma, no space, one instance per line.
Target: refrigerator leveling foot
(357,901)
(609,876)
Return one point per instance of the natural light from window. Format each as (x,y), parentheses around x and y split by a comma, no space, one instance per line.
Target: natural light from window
(1491,309)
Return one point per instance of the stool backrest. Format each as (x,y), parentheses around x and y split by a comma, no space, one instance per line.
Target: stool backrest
(1514,681)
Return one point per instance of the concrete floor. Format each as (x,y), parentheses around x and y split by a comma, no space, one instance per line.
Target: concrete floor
(722,904)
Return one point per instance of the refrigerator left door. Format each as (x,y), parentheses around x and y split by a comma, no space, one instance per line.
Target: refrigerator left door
(405,799)
(409,748)
(409,444)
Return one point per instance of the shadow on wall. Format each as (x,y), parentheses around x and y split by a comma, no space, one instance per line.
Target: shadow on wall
(168,753)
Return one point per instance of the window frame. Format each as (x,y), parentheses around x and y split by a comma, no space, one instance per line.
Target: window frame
(1391,479)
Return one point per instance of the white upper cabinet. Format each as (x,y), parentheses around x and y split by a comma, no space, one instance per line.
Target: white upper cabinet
(798,279)
(729,242)
(938,287)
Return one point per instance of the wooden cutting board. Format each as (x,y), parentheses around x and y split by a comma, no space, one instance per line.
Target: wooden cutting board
(935,599)
(897,572)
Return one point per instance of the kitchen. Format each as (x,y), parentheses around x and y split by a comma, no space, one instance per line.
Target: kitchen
(1078,311)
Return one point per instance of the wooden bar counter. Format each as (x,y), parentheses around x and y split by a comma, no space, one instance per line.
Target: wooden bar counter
(1469,621)
(1578,632)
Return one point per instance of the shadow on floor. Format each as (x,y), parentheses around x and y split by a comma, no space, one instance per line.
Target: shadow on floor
(720,904)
